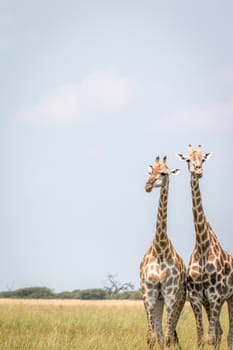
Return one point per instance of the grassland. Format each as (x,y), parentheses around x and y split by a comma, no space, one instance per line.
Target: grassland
(84,325)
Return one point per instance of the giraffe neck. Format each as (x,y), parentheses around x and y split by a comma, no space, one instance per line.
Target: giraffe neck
(161,239)
(204,233)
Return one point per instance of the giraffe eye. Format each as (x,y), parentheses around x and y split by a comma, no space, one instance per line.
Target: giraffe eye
(163,174)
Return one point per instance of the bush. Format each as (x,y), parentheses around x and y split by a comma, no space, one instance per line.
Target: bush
(29,293)
(94,293)
(128,295)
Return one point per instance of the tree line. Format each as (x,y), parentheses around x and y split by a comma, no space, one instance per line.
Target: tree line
(47,293)
(112,290)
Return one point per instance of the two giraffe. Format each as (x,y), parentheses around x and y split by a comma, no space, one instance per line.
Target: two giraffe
(209,275)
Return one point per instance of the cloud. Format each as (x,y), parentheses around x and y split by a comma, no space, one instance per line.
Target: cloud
(105,91)
(214,115)
(63,103)
(225,75)
(108,90)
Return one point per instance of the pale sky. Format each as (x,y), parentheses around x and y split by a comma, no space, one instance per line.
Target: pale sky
(91,92)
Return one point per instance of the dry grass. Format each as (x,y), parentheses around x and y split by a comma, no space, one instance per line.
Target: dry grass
(70,302)
(84,325)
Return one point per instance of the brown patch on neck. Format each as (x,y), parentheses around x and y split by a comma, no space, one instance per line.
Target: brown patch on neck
(200,229)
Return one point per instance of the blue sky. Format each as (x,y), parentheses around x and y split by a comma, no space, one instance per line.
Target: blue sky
(91,93)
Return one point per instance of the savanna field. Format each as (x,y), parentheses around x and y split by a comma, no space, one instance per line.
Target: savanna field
(85,325)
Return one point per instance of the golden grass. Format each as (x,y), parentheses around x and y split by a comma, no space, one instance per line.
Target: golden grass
(84,325)
(69,302)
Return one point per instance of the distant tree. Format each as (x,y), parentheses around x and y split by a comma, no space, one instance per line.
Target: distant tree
(95,293)
(114,287)
(129,295)
(75,294)
(29,293)
(6,294)
(64,295)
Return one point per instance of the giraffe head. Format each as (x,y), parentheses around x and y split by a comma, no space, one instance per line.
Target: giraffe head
(159,174)
(195,159)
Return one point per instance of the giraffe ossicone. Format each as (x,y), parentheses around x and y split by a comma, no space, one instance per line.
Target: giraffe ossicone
(162,270)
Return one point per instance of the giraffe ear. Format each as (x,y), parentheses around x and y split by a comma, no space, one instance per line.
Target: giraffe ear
(174,171)
(207,156)
(150,169)
(181,156)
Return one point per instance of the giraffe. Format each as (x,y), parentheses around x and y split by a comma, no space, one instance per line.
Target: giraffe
(162,270)
(210,270)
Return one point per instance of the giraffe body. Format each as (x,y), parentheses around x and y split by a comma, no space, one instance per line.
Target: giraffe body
(210,270)
(162,271)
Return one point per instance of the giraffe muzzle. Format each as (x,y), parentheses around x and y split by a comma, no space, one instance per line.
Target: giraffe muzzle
(198,172)
(148,187)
